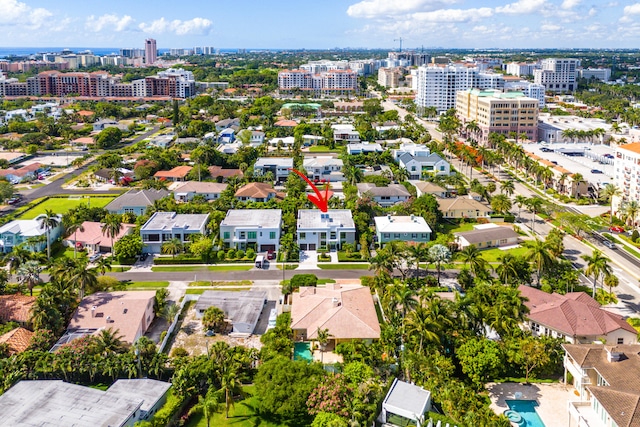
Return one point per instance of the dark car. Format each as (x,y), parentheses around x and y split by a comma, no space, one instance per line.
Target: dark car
(596,171)
(271,255)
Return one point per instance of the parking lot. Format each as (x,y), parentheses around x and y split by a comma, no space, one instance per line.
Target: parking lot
(593,158)
(50,160)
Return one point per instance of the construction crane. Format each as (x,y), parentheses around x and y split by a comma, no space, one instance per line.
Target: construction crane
(399,40)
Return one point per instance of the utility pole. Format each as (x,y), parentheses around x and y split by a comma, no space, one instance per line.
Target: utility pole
(399,40)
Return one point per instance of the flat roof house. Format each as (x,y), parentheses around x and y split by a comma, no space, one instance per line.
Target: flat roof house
(278,166)
(347,311)
(317,229)
(364,148)
(209,190)
(129,312)
(257,228)
(179,173)
(92,238)
(20,230)
(404,404)
(55,402)
(165,226)
(410,229)
(487,236)
(385,196)
(324,167)
(241,309)
(575,317)
(135,201)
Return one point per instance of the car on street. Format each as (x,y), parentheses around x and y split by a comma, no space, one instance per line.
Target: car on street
(596,171)
(609,244)
(616,229)
(95,257)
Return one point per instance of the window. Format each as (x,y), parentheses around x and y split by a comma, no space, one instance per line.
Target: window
(386,235)
(251,234)
(333,235)
(242,234)
(166,237)
(151,237)
(414,235)
(272,235)
(129,210)
(303,236)
(620,340)
(226,235)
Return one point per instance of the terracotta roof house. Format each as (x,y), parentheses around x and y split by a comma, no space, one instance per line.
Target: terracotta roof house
(256,192)
(16,308)
(607,379)
(217,172)
(92,237)
(135,201)
(130,313)
(85,140)
(576,317)
(286,123)
(347,311)
(18,340)
(463,207)
(209,190)
(179,173)
(487,236)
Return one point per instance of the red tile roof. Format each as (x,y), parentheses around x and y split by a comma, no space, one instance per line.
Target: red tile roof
(177,172)
(217,171)
(16,308)
(18,340)
(256,190)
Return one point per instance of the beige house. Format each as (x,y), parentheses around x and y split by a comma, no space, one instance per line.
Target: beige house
(346,311)
(463,207)
(487,236)
(575,317)
(426,187)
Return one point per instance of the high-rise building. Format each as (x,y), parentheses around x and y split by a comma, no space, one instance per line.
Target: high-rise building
(532,90)
(498,112)
(627,175)
(335,81)
(603,74)
(437,85)
(557,74)
(150,51)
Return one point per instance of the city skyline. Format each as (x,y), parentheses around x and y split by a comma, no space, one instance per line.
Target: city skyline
(341,23)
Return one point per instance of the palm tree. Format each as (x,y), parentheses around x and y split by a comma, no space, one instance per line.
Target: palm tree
(103,265)
(323,336)
(208,405)
(84,278)
(72,224)
(507,270)
(29,274)
(49,221)
(229,383)
(631,209)
(109,341)
(17,257)
(612,281)
(507,187)
(609,192)
(471,255)
(520,201)
(172,247)
(419,253)
(501,203)
(597,265)
(540,255)
(561,180)
(111,228)
(535,204)
(439,254)
(577,180)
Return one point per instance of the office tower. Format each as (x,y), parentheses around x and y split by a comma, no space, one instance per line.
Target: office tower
(150,51)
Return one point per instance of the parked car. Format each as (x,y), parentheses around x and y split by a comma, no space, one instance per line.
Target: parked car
(609,244)
(616,229)
(596,171)
(95,257)
(271,255)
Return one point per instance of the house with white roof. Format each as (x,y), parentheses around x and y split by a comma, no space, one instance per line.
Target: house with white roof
(487,236)
(405,404)
(278,166)
(421,166)
(324,167)
(331,229)
(165,226)
(284,142)
(209,190)
(407,146)
(257,228)
(227,136)
(385,196)
(410,229)
(364,148)
(345,133)
(241,309)
(22,230)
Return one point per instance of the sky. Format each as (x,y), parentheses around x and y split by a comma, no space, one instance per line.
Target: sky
(321,24)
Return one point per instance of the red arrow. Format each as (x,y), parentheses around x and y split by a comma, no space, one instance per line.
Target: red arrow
(318,199)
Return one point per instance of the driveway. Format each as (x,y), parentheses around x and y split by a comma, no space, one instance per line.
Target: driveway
(308,260)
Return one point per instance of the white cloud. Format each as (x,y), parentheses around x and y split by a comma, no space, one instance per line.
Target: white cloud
(522,7)
(382,8)
(200,26)
(109,22)
(550,27)
(454,15)
(570,4)
(633,9)
(13,12)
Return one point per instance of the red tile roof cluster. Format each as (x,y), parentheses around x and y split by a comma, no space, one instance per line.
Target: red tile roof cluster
(16,308)
(18,340)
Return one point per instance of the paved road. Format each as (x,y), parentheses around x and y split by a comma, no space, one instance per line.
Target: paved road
(188,276)
(55,187)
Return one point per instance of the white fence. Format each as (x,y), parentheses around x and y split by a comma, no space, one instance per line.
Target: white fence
(174,323)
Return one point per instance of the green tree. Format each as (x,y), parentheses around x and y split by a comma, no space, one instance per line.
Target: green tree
(84,278)
(29,274)
(202,248)
(609,192)
(108,137)
(472,257)
(439,254)
(529,353)
(507,187)
(597,265)
(501,203)
(213,319)
(539,254)
(128,246)
(207,405)
(6,190)
(49,221)
(172,247)
(72,224)
(481,360)
(111,227)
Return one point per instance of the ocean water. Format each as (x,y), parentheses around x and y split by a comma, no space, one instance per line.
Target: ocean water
(100,51)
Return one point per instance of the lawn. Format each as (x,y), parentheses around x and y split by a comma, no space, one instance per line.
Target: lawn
(62,205)
(178,268)
(362,266)
(242,414)
(322,149)
(147,285)
(457,228)
(218,268)
(492,255)
(230,267)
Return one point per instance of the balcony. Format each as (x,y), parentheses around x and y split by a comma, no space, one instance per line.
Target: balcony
(584,414)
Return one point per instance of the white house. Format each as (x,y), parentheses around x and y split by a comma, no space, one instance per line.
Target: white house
(278,166)
(384,196)
(421,166)
(285,142)
(487,236)
(406,146)
(258,228)
(317,229)
(24,230)
(364,148)
(165,226)
(412,229)
(345,133)
(405,404)
(209,190)
(324,167)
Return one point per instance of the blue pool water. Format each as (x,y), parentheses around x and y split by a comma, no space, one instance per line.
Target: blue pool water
(527,410)
(302,351)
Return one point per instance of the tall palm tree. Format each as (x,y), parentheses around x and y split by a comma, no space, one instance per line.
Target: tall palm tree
(84,278)
(521,201)
(111,228)
(577,179)
(609,192)
(535,204)
(631,209)
(472,256)
(540,255)
(501,203)
(323,336)
(49,221)
(72,224)
(612,281)
(18,256)
(507,270)
(507,187)
(103,265)
(172,247)
(29,274)
(597,265)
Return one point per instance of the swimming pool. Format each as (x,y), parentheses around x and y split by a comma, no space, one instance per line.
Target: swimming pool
(302,351)
(527,410)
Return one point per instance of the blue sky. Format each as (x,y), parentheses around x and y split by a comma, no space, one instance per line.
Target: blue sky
(321,23)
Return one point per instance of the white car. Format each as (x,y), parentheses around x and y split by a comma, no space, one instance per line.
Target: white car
(95,257)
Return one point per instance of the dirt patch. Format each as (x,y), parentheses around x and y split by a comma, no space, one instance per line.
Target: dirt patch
(191,337)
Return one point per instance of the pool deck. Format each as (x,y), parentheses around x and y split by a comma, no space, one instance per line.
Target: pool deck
(552,399)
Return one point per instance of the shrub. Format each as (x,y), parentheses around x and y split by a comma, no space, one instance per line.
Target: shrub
(179,352)
(240,253)
(221,255)
(482,220)
(299,280)
(635,236)
(509,218)
(231,253)
(251,254)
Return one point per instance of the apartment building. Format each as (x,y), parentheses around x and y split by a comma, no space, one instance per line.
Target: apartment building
(389,77)
(336,81)
(150,51)
(557,74)
(499,112)
(437,85)
(603,74)
(174,82)
(521,68)
(532,90)
(627,174)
